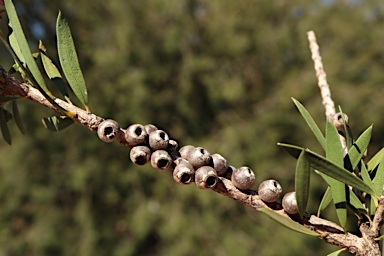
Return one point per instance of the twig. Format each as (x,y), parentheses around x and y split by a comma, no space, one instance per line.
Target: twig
(332,233)
(328,103)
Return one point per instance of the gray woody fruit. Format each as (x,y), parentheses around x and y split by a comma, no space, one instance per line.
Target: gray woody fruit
(243,177)
(158,139)
(338,122)
(150,128)
(161,160)
(109,130)
(220,164)
(140,155)
(172,145)
(183,172)
(229,171)
(199,157)
(206,177)
(135,135)
(289,203)
(270,191)
(186,150)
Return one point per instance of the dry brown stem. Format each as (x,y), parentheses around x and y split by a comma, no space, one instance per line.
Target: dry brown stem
(331,232)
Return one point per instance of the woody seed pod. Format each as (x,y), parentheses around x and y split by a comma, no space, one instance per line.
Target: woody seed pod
(135,135)
(289,203)
(172,145)
(158,139)
(337,121)
(243,178)
(109,130)
(199,157)
(186,150)
(140,155)
(220,164)
(161,160)
(150,128)
(269,191)
(229,171)
(183,172)
(206,177)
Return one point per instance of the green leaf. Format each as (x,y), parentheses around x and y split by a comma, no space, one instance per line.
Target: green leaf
(355,202)
(57,123)
(327,198)
(378,180)
(52,71)
(358,148)
(4,127)
(23,46)
(288,222)
(347,130)
(69,61)
(328,168)
(338,189)
(7,99)
(302,179)
(375,160)
(336,253)
(334,149)
(18,119)
(311,123)
(365,175)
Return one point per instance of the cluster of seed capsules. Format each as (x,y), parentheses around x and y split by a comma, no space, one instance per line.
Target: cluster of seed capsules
(190,164)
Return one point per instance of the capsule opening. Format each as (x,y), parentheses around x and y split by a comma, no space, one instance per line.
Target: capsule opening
(211,181)
(162,163)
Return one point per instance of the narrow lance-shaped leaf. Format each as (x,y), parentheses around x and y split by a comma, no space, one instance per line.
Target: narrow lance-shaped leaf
(69,61)
(23,46)
(378,180)
(358,148)
(57,123)
(18,119)
(336,253)
(338,188)
(337,172)
(375,160)
(327,198)
(48,95)
(302,180)
(288,222)
(4,127)
(311,123)
(52,71)
(347,130)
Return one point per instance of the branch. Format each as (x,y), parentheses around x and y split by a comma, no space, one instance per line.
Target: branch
(328,103)
(332,233)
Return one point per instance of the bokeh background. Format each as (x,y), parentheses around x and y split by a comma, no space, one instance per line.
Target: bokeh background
(217,74)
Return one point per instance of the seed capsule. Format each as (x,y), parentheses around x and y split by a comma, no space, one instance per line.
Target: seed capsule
(161,160)
(228,173)
(140,155)
(158,139)
(269,191)
(243,178)
(206,177)
(289,203)
(172,145)
(135,135)
(338,122)
(220,164)
(150,128)
(183,172)
(185,151)
(109,130)
(199,157)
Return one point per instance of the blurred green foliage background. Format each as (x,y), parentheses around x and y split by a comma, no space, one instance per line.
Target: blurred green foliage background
(217,74)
